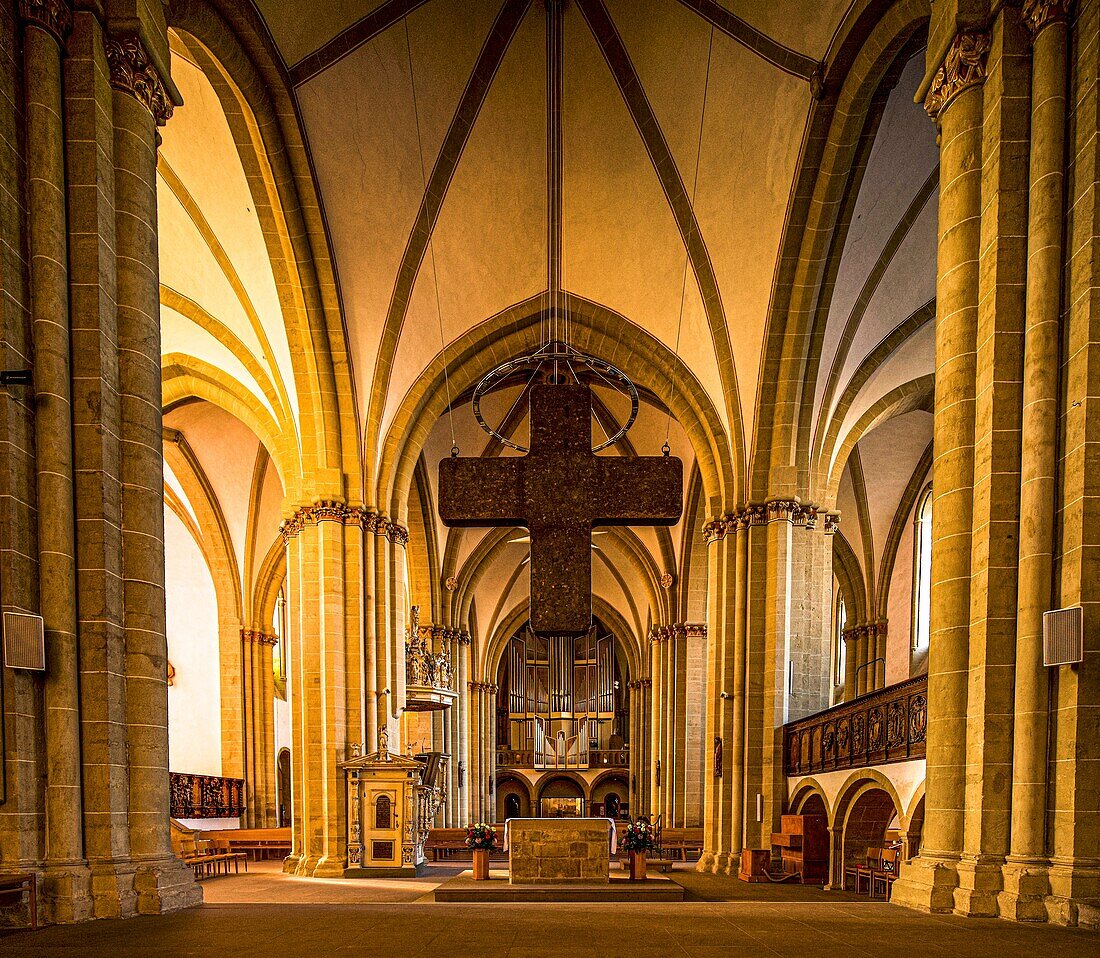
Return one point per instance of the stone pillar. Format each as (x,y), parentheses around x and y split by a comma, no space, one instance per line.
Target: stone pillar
(955,100)
(998,383)
(323,540)
(140,102)
(863,660)
(1073,818)
(246,691)
(89,137)
(267,808)
(474,771)
(726,539)
(1025,874)
(66,885)
(850,637)
(465,722)
(656,722)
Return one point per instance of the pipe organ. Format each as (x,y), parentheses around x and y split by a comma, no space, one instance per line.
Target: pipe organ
(561,698)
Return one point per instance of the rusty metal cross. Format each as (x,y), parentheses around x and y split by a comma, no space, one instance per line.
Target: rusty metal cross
(559,491)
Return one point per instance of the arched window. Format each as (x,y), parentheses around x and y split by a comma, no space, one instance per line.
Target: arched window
(922,570)
(840,659)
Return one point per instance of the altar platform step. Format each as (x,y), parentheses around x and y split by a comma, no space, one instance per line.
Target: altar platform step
(656,888)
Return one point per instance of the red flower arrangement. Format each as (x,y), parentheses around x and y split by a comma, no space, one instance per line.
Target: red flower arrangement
(638,836)
(481,837)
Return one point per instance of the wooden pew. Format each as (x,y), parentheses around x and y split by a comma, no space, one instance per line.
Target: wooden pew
(257,842)
(19,882)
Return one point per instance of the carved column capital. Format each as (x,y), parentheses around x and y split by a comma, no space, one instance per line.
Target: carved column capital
(1038,14)
(133,72)
(54,16)
(962,68)
(832,523)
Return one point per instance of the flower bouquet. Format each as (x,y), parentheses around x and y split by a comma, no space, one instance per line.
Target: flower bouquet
(481,839)
(638,838)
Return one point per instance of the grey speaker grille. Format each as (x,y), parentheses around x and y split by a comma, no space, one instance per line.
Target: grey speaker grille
(1064,636)
(24,641)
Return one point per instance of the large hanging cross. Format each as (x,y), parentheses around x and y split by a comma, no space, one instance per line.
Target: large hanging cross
(559,491)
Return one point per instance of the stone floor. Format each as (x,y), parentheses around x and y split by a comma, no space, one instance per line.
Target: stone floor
(294,917)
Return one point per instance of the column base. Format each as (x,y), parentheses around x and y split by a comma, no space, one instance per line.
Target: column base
(706,862)
(65,893)
(329,867)
(1026,888)
(980,882)
(927,884)
(1074,893)
(164,885)
(292,864)
(113,892)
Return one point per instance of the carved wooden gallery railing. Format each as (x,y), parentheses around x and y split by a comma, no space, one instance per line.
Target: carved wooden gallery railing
(206,796)
(881,727)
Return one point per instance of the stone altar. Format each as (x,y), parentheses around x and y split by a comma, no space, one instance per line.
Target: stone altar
(559,851)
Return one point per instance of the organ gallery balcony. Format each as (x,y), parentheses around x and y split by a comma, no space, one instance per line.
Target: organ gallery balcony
(596,758)
(429,668)
(885,726)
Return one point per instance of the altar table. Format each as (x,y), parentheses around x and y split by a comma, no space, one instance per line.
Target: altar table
(559,850)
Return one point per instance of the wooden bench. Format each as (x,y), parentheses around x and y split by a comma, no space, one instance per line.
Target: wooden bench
(679,843)
(23,882)
(258,842)
(444,843)
(887,873)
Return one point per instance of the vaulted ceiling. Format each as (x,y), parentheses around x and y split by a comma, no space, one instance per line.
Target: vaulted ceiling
(425,123)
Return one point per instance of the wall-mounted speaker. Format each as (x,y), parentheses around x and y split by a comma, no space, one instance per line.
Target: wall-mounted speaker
(1064,636)
(24,641)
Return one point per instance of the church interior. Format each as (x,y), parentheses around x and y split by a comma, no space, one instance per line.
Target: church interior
(627,453)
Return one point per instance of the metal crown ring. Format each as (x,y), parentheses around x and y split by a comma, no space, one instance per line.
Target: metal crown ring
(612,375)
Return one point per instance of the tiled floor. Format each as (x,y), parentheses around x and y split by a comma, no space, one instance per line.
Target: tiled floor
(283,920)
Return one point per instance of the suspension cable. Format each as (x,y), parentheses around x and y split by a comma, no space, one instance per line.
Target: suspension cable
(431,244)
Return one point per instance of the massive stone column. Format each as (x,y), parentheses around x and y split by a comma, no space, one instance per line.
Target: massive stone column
(1073,817)
(727,551)
(324,543)
(1025,874)
(89,136)
(955,100)
(141,101)
(66,885)
(998,382)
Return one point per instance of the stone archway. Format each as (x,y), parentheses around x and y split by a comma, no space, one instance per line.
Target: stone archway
(513,798)
(867,814)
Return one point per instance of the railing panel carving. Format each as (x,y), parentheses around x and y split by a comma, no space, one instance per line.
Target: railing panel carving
(875,729)
(205,796)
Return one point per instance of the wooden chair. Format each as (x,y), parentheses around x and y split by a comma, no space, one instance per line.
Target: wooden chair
(887,872)
(20,882)
(864,871)
(227,856)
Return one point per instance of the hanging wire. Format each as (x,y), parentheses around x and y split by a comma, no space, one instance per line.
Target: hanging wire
(694,186)
(431,245)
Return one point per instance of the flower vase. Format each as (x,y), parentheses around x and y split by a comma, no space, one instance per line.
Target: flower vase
(481,864)
(637,866)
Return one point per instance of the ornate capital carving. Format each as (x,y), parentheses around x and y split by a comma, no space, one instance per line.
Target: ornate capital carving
(832,522)
(1038,14)
(53,16)
(783,509)
(133,72)
(324,511)
(962,68)
(397,534)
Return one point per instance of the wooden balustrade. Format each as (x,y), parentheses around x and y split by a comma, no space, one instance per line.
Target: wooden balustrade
(885,726)
(597,758)
(206,796)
